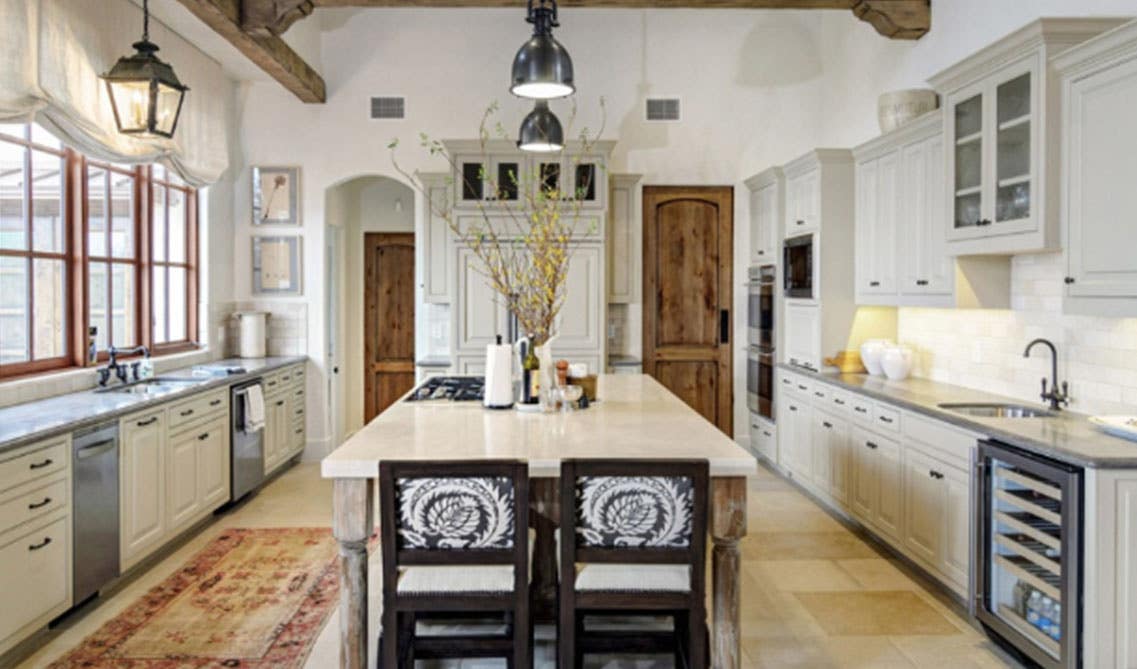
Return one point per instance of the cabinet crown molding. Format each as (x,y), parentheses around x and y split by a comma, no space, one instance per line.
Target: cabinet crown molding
(768,176)
(917,129)
(1053,35)
(499,146)
(1117,44)
(815,158)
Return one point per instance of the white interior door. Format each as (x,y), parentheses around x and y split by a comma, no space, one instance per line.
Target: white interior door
(334,261)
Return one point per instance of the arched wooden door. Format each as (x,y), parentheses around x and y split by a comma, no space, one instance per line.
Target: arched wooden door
(688,233)
(388,319)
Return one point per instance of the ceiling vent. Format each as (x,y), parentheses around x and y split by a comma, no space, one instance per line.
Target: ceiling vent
(388,108)
(662,109)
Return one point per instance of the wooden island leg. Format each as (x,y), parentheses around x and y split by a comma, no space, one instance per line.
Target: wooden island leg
(728,526)
(352,525)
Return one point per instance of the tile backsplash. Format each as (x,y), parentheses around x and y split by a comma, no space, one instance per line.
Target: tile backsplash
(983,349)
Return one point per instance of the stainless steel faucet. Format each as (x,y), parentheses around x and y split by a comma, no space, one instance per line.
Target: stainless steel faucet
(121,370)
(1057,398)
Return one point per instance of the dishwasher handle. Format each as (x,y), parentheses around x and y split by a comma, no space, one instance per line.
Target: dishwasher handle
(95,449)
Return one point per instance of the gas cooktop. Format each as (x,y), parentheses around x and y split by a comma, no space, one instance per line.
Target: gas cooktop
(453,388)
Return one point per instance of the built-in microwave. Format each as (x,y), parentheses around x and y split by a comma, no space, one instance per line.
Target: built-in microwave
(797,268)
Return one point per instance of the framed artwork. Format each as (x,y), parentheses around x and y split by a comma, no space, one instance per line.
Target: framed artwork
(276,195)
(277,268)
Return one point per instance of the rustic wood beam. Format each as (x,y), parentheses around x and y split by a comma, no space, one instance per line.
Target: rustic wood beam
(270,53)
(897,19)
(267,18)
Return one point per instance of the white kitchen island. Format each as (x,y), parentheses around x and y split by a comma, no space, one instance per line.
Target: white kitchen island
(636,417)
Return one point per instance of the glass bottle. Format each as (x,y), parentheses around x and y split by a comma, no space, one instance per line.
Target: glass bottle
(530,374)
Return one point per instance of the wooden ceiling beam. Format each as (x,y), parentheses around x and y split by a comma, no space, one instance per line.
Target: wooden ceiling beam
(266,49)
(897,19)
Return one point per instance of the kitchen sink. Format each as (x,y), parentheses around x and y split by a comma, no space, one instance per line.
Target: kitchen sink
(154,386)
(996,410)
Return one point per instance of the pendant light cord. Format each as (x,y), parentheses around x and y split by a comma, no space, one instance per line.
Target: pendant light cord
(145,20)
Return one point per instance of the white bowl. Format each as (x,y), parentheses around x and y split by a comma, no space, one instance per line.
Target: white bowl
(896,362)
(895,108)
(871,351)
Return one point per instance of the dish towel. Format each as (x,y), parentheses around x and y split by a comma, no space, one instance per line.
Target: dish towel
(254,408)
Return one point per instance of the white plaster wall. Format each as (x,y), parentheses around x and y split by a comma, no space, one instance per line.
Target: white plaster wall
(758,89)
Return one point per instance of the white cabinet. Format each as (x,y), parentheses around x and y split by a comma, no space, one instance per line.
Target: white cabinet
(876,214)
(803,335)
(925,268)
(276,431)
(142,496)
(795,435)
(763,438)
(435,239)
(831,456)
(579,326)
(937,515)
(480,314)
(877,483)
(1001,125)
(182,484)
(197,476)
(625,249)
(803,202)
(767,200)
(1099,201)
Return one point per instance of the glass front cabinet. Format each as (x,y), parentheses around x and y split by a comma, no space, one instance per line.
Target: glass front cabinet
(1001,140)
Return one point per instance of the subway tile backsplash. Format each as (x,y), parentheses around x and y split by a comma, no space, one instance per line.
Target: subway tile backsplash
(983,349)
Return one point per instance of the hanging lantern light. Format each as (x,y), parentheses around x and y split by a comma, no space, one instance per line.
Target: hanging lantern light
(146,95)
(541,130)
(542,68)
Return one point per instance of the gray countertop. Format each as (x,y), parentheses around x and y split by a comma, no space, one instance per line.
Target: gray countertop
(25,423)
(1068,436)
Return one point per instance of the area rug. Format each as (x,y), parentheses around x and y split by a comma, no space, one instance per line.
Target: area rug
(253,598)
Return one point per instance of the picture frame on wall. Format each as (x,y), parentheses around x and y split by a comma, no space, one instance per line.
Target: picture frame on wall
(277,267)
(276,195)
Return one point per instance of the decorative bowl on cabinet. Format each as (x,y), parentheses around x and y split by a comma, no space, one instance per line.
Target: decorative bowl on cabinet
(895,108)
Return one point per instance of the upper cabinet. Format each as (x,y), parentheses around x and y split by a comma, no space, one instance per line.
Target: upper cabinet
(435,235)
(1099,198)
(488,178)
(803,202)
(767,199)
(625,248)
(1001,127)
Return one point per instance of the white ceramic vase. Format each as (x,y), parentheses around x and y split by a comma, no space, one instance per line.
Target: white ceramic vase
(896,362)
(895,108)
(871,351)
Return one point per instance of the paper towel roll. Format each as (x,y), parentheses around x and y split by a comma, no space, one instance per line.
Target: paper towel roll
(499,376)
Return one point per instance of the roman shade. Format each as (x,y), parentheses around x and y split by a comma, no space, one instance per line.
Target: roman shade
(51,55)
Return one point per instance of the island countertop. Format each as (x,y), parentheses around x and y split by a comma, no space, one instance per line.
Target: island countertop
(635,417)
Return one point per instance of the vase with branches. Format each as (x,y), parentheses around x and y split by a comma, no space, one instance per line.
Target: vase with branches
(523,245)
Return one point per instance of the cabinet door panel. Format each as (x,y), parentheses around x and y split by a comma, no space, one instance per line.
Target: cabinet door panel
(578,324)
(956,553)
(867,177)
(481,315)
(890,501)
(803,335)
(182,479)
(822,432)
(213,465)
(436,235)
(923,505)
(143,490)
(839,466)
(884,241)
(798,439)
(34,582)
(865,480)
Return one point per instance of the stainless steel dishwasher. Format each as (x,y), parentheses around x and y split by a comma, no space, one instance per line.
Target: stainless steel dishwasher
(94,509)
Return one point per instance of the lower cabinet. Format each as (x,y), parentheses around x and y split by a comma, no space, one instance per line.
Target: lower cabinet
(796,438)
(198,472)
(937,515)
(877,492)
(36,575)
(142,476)
(284,433)
(831,455)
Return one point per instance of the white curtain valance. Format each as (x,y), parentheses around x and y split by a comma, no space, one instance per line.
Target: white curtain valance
(51,55)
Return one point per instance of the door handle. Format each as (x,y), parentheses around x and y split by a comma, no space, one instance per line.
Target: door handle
(724,326)
(95,449)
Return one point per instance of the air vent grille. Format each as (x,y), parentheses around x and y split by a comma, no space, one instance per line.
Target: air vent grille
(662,109)
(388,108)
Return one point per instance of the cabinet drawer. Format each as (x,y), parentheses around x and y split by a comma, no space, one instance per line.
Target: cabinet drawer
(952,445)
(32,462)
(272,382)
(36,573)
(819,394)
(861,408)
(296,437)
(886,417)
(31,501)
(197,406)
(840,401)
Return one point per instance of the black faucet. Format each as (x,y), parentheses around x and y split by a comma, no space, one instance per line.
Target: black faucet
(121,370)
(1057,398)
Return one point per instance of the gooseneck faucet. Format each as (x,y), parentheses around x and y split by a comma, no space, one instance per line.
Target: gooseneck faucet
(120,370)
(1057,398)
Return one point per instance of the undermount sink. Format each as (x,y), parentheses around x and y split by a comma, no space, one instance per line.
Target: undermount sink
(154,386)
(996,410)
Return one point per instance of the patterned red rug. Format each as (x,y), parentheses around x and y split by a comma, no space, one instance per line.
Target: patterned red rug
(253,598)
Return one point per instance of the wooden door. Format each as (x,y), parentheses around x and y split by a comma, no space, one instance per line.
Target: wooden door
(688,244)
(388,319)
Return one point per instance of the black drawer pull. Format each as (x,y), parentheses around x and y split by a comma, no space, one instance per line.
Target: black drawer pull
(800,222)
(839,402)
(214,403)
(827,424)
(801,387)
(36,547)
(280,403)
(299,411)
(818,393)
(761,253)
(884,419)
(871,445)
(272,383)
(149,421)
(934,474)
(786,381)
(299,430)
(285,378)
(793,408)
(187,412)
(766,434)
(39,505)
(860,410)
(203,436)
(874,284)
(921,282)
(41,465)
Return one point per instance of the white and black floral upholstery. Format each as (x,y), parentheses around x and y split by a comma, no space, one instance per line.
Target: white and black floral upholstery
(455,513)
(634,511)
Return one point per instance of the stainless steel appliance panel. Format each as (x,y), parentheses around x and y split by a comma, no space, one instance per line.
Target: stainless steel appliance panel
(95,510)
(760,382)
(760,307)
(797,266)
(247,463)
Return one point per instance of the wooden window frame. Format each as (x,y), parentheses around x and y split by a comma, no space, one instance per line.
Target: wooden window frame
(76,258)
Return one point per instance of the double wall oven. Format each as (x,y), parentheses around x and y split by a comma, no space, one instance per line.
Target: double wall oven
(761,286)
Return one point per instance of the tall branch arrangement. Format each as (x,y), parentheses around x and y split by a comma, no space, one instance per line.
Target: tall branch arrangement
(524,235)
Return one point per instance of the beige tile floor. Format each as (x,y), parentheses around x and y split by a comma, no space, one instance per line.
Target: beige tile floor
(814,594)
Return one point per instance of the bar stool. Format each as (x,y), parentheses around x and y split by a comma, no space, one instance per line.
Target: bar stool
(455,544)
(633,542)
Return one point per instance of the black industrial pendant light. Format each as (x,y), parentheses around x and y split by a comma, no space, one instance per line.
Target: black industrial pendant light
(145,93)
(541,130)
(542,69)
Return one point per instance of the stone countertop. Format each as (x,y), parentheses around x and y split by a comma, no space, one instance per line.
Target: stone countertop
(22,424)
(1068,436)
(635,417)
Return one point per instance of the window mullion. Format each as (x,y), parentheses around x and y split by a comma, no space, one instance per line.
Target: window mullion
(29,215)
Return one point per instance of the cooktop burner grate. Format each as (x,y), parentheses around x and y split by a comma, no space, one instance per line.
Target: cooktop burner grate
(453,388)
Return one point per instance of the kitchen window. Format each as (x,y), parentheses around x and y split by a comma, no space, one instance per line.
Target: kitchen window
(87,243)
